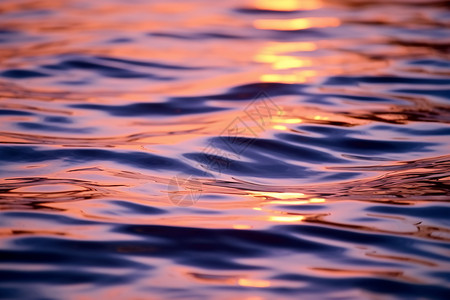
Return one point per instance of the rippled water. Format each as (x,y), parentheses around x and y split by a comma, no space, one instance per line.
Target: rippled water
(225,150)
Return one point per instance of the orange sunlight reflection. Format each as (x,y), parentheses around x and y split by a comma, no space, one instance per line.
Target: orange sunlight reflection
(281,62)
(279,198)
(278,195)
(271,54)
(287,219)
(288,121)
(242,226)
(287,5)
(279,127)
(296,24)
(296,202)
(299,77)
(275,53)
(253,282)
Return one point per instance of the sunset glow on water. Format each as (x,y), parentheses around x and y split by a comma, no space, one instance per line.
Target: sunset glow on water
(250,150)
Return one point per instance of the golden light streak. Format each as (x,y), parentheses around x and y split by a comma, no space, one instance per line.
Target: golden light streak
(300,77)
(296,202)
(296,24)
(317,200)
(279,127)
(289,202)
(242,226)
(287,121)
(286,219)
(287,5)
(288,78)
(281,62)
(253,282)
(320,118)
(268,58)
(293,121)
(273,53)
(278,195)
(291,63)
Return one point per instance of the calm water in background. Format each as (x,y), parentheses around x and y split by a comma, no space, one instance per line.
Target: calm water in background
(228,150)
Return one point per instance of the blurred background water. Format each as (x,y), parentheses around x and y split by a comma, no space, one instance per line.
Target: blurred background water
(290,149)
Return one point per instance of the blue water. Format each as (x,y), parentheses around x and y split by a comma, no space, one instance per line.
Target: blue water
(231,150)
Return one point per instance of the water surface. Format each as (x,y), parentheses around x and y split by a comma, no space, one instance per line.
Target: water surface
(229,150)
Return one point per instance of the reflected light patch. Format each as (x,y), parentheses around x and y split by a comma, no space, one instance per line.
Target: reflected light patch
(291,62)
(253,283)
(279,195)
(287,5)
(269,58)
(317,200)
(279,127)
(297,202)
(290,202)
(242,226)
(296,24)
(288,121)
(282,62)
(286,218)
(293,121)
(299,77)
(288,78)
